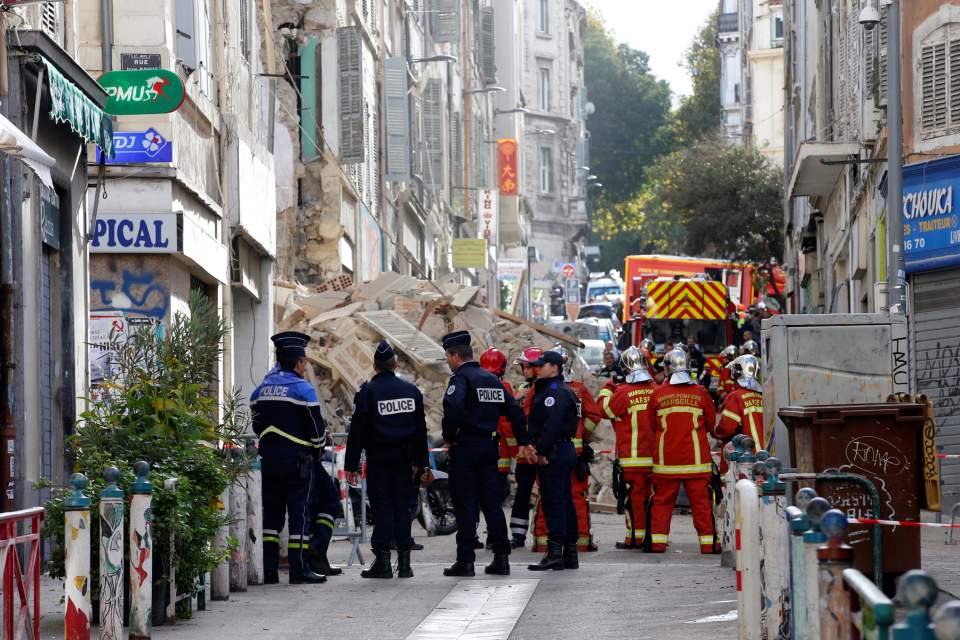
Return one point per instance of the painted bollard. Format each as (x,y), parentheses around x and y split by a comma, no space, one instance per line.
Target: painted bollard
(254,522)
(238,532)
(731,452)
(776,553)
(834,557)
(798,524)
(111,557)
(812,540)
(76,621)
(946,624)
(141,553)
(220,576)
(749,591)
(916,592)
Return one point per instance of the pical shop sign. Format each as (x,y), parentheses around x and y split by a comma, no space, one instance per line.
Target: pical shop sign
(142,92)
(135,233)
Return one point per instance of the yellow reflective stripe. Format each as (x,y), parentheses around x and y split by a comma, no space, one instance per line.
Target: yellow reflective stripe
(605,403)
(678,469)
(627,463)
(272,539)
(749,410)
(665,412)
(583,540)
(289,437)
(577,442)
(727,413)
(504,463)
(706,539)
(511,442)
(663,436)
(753,433)
(660,538)
(634,430)
(589,425)
(298,545)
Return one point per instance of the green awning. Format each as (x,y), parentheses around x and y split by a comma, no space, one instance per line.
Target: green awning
(71,106)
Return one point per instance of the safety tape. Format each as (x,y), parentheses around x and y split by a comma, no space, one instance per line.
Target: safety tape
(903,523)
(948,456)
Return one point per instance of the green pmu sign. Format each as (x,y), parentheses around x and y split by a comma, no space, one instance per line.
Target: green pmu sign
(142,92)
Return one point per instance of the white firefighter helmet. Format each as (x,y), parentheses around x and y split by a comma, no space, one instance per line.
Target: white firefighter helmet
(634,363)
(749,347)
(567,354)
(677,363)
(730,353)
(648,345)
(745,371)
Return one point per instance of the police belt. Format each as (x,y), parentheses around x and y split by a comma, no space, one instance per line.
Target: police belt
(475,434)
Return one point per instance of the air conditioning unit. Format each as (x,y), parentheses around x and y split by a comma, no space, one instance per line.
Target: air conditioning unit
(871,122)
(881,302)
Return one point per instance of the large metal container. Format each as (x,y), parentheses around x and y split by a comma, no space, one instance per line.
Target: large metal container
(829,359)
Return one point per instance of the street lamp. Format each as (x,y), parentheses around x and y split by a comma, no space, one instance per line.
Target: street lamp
(440,58)
(490,89)
(543,132)
(505,112)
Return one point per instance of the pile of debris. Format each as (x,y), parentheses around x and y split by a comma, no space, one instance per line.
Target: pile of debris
(347,320)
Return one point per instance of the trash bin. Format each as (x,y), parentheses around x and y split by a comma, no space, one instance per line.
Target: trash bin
(880,442)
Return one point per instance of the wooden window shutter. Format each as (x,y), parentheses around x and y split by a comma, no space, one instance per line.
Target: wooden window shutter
(933,65)
(882,39)
(488,50)
(396,85)
(352,121)
(445,20)
(433,132)
(456,157)
(954,75)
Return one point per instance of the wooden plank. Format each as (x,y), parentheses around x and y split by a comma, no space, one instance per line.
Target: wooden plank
(420,347)
(547,331)
(931,465)
(517,293)
(464,297)
(336,314)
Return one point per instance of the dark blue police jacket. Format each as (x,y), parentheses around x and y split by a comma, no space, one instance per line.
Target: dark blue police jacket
(388,418)
(286,415)
(554,415)
(474,402)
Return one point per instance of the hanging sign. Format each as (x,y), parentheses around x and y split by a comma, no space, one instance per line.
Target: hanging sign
(507,167)
(131,61)
(142,92)
(469,253)
(487,220)
(135,233)
(133,147)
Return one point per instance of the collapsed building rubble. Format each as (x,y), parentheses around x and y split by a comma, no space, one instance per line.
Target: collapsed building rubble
(347,320)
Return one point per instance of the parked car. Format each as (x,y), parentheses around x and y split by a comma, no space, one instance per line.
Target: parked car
(596,329)
(601,310)
(592,353)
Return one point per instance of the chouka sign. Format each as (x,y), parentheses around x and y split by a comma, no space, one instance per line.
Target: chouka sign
(135,233)
(142,92)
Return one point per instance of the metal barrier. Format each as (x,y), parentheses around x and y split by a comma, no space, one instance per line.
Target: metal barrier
(347,528)
(21,619)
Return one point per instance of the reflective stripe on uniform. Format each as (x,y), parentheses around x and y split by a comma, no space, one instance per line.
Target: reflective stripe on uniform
(298,545)
(578,443)
(284,434)
(633,463)
(660,538)
(680,469)
(727,413)
(271,538)
(511,442)
(504,463)
(325,519)
(707,539)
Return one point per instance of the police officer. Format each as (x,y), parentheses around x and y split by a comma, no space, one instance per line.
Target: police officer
(552,426)
(326,508)
(287,418)
(472,406)
(389,423)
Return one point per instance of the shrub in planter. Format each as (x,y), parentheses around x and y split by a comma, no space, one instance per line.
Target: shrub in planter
(161,405)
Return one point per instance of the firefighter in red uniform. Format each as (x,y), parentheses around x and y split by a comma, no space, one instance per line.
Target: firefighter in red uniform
(526,471)
(683,413)
(494,361)
(743,409)
(590,415)
(626,408)
(725,384)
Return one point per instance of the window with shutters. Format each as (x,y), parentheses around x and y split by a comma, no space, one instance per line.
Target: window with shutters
(445,20)
(543,82)
(456,158)
(396,84)
(488,51)
(433,133)
(193,41)
(352,116)
(245,29)
(51,21)
(940,82)
(543,16)
(546,170)
(882,57)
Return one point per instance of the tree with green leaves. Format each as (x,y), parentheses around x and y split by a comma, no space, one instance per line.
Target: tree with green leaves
(699,114)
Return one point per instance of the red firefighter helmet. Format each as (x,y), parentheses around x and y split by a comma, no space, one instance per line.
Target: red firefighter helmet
(494,361)
(528,356)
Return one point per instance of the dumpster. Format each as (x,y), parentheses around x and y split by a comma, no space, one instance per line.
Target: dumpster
(879,442)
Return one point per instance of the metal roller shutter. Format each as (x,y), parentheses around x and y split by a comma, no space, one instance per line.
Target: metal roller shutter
(935,363)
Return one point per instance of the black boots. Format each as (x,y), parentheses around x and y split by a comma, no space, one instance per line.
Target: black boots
(403,564)
(459,569)
(553,560)
(307,577)
(318,554)
(570,558)
(380,567)
(518,542)
(271,578)
(500,565)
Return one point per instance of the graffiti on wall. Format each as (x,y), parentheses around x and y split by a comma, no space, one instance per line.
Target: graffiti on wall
(132,292)
(938,376)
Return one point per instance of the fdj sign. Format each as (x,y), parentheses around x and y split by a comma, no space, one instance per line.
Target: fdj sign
(142,91)
(135,233)
(139,147)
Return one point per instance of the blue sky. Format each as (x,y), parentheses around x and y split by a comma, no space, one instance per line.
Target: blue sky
(663,29)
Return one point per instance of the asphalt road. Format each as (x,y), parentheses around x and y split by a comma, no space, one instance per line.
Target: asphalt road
(615,594)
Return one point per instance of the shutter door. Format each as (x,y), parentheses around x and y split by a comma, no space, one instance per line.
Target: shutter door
(46,367)
(935,363)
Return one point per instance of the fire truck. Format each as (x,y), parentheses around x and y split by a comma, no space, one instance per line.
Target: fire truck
(674,309)
(640,270)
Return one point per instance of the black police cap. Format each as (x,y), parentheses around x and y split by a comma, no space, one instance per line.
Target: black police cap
(549,357)
(456,339)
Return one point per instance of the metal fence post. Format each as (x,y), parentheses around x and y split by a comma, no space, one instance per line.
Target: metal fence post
(749,592)
(776,551)
(141,554)
(946,624)
(731,453)
(111,557)
(76,621)
(812,539)
(834,557)
(916,591)
(254,521)
(798,524)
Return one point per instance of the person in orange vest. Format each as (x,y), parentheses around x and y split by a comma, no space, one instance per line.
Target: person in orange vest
(725,384)
(683,413)
(626,408)
(526,470)
(590,415)
(494,361)
(743,409)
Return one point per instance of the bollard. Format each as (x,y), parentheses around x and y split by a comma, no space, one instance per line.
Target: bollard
(738,470)
(834,558)
(731,452)
(917,592)
(749,591)
(812,539)
(946,624)
(220,576)
(776,552)
(798,525)
(238,532)
(111,557)
(141,554)
(76,507)
(254,521)
(171,485)
(871,611)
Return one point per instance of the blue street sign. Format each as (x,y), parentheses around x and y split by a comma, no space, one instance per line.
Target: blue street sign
(134,147)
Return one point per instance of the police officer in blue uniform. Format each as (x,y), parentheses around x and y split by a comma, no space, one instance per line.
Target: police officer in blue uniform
(390,424)
(326,509)
(472,406)
(552,426)
(288,420)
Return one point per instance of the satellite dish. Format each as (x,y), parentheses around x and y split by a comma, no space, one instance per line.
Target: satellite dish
(589,109)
